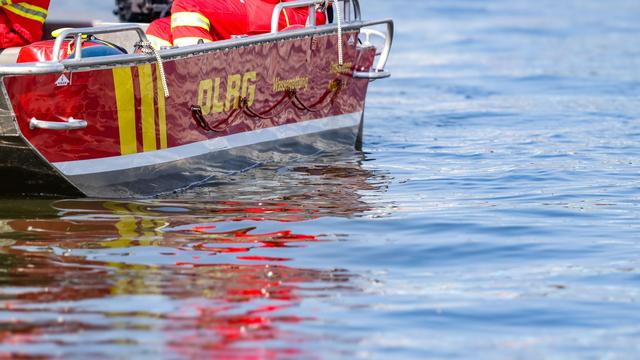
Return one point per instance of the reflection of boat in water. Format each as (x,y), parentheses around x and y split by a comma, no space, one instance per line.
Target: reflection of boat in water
(204,311)
(105,126)
(303,192)
(204,278)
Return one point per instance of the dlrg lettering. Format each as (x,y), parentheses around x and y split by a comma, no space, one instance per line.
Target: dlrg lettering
(212,99)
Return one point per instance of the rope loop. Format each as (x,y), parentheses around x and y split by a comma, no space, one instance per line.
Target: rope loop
(146,48)
(339,21)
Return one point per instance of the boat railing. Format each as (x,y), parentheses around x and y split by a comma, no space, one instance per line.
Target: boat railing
(78,33)
(78,62)
(379,70)
(344,7)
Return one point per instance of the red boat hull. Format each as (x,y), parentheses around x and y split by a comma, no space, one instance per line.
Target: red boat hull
(228,110)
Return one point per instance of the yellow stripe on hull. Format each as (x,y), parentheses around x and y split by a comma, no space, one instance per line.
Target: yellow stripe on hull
(125,101)
(162,114)
(149,142)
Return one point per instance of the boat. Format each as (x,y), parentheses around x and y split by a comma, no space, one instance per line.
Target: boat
(139,122)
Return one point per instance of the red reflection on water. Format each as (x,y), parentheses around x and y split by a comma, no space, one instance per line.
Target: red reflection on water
(231,312)
(202,228)
(217,329)
(263,258)
(214,268)
(260,325)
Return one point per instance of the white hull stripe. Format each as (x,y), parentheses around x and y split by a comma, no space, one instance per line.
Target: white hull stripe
(93,166)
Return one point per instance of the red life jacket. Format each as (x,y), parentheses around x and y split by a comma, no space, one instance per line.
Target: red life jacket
(259,16)
(21,21)
(209,20)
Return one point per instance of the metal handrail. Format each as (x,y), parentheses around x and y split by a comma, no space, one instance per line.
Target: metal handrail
(31,69)
(79,32)
(277,10)
(379,72)
(357,14)
(168,54)
(388,41)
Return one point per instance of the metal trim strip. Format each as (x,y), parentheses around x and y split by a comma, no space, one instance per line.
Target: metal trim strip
(93,166)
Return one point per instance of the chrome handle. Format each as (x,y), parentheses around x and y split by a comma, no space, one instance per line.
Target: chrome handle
(69,124)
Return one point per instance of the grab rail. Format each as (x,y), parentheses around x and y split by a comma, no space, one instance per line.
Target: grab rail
(68,124)
(357,14)
(77,34)
(277,10)
(378,72)
(275,16)
(53,67)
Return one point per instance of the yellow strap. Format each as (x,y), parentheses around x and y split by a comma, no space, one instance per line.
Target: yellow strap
(190,19)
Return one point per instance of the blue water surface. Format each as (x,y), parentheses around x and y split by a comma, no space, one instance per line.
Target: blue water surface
(495,213)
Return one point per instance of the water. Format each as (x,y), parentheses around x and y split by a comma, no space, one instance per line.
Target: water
(494,214)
